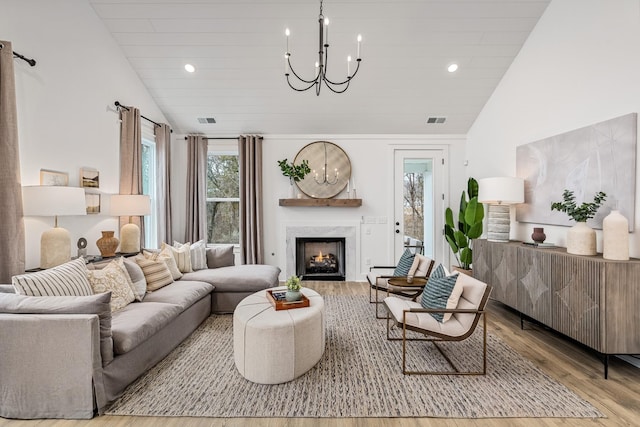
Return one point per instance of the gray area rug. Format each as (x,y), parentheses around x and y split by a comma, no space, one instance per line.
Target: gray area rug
(358,376)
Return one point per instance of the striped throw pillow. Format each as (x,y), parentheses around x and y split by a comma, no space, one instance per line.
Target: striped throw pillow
(182,255)
(438,290)
(199,255)
(68,279)
(404,264)
(165,255)
(156,272)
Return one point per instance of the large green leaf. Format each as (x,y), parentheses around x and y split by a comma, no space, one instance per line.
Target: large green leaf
(474,213)
(463,207)
(466,258)
(461,239)
(453,244)
(448,217)
(472,188)
(475,231)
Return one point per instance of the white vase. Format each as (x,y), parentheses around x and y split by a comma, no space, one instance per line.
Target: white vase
(615,232)
(581,240)
(292,189)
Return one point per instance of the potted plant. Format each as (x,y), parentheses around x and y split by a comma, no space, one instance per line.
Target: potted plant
(294,172)
(469,226)
(294,284)
(581,239)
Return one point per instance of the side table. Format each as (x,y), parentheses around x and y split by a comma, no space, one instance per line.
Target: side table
(400,286)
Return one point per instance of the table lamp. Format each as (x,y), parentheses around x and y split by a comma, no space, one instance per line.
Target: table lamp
(44,200)
(130,205)
(499,193)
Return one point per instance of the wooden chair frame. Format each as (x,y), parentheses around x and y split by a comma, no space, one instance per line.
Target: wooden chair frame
(438,337)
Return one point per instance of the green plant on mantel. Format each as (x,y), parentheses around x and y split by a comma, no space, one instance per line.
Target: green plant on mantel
(469,227)
(579,213)
(294,172)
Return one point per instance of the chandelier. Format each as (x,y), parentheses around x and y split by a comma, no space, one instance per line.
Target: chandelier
(301,84)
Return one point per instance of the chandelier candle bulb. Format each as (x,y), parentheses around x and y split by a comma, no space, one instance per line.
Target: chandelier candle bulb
(359,40)
(326,32)
(348,65)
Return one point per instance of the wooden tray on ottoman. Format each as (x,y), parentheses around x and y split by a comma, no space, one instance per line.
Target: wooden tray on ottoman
(286,305)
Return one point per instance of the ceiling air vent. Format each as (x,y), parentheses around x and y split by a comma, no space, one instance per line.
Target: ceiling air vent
(206,120)
(436,120)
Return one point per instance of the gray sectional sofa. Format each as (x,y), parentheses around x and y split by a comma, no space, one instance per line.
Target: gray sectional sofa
(69,357)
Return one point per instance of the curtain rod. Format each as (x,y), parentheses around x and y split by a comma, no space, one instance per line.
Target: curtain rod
(30,61)
(218,137)
(117,104)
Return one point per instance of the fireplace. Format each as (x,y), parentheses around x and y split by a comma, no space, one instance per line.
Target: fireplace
(320,258)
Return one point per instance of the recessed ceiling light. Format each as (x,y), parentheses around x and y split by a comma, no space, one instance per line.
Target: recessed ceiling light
(190,68)
(453,67)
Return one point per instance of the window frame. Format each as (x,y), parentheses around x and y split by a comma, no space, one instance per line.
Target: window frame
(225,149)
(148,139)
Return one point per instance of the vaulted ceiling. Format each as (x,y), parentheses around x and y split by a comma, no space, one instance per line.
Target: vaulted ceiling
(237,48)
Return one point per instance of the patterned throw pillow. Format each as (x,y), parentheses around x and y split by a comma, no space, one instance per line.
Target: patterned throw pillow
(405,263)
(155,272)
(68,279)
(115,279)
(182,255)
(438,290)
(199,255)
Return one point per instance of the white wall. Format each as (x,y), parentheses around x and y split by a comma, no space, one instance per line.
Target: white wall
(580,66)
(372,165)
(66,118)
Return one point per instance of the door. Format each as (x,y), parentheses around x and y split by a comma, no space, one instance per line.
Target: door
(419,202)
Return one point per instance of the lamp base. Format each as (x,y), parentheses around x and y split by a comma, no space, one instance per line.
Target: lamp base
(55,247)
(130,238)
(498,223)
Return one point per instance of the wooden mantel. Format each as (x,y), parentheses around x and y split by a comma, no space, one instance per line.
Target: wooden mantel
(344,203)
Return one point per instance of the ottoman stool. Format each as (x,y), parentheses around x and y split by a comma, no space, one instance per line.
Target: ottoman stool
(273,347)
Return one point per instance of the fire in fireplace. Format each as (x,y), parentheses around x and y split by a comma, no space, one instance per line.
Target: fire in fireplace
(320,258)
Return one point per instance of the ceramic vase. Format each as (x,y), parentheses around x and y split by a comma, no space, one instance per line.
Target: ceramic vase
(293,296)
(581,240)
(292,189)
(538,235)
(107,244)
(615,241)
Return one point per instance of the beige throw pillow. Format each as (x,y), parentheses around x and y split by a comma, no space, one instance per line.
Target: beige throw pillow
(137,278)
(155,272)
(115,279)
(167,257)
(182,255)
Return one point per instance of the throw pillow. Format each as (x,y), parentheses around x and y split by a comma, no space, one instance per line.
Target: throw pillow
(182,255)
(404,264)
(115,279)
(137,279)
(165,255)
(93,304)
(68,279)
(220,256)
(156,272)
(438,290)
(421,266)
(198,255)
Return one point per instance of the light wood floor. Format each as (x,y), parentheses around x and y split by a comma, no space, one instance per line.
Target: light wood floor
(572,365)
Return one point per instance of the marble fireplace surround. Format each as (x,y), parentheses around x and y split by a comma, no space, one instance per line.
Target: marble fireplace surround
(349,232)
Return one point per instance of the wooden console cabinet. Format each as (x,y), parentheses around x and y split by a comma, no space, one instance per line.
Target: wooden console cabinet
(590,299)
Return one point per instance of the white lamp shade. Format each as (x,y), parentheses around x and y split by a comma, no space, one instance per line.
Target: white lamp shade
(45,200)
(130,205)
(501,190)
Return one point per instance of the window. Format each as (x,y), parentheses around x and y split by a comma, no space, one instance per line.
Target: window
(223,197)
(149,185)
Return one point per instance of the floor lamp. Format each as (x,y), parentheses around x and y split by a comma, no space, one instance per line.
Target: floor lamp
(130,205)
(44,200)
(499,193)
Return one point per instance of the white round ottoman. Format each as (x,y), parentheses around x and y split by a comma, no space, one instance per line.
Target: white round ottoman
(273,347)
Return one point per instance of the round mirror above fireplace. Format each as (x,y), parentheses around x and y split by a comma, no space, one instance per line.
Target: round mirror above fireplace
(330,169)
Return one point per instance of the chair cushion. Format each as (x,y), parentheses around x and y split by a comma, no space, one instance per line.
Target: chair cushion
(453,327)
(438,290)
(421,266)
(404,264)
(68,279)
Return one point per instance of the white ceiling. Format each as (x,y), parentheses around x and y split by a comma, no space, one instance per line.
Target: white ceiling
(237,47)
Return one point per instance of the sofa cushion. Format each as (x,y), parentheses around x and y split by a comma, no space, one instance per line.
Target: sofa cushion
(137,278)
(113,278)
(220,256)
(92,304)
(138,321)
(182,255)
(68,279)
(238,278)
(168,258)
(182,293)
